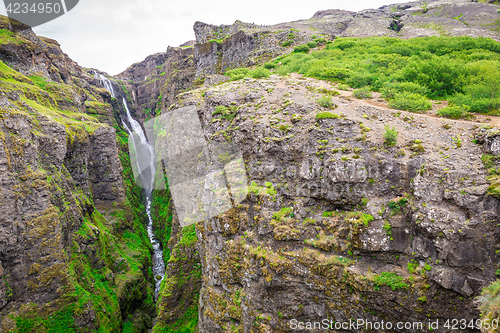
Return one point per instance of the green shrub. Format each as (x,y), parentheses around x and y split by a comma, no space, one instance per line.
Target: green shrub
(454,112)
(479,98)
(360,80)
(269,65)
(320,40)
(327,115)
(312,45)
(328,92)
(237,77)
(326,102)
(301,48)
(237,74)
(363,93)
(259,72)
(389,90)
(390,136)
(342,86)
(410,102)
(287,43)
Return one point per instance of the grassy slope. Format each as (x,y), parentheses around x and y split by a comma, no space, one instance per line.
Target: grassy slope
(462,70)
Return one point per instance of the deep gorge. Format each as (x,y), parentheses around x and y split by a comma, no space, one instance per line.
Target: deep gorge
(342,219)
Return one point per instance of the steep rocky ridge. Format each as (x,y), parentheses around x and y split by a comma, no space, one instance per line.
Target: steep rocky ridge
(74,253)
(331,213)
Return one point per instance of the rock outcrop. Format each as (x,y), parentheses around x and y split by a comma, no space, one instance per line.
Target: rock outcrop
(336,225)
(74,253)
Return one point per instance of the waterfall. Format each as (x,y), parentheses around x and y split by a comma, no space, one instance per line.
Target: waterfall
(145,161)
(106,83)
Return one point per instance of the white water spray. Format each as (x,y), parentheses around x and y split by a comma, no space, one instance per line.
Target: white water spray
(146,168)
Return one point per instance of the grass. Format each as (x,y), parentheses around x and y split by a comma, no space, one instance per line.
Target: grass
(326,102)
(409,73)
(38,81)
(227,113)
(363,93)
(327,115)
(257,73)
(390,136)
(489,302)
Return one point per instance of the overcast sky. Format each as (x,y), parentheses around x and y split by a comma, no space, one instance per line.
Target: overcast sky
(110,35)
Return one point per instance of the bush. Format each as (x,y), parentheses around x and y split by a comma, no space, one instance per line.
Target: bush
(390,136)
(479,97)
(320,40)
(237,74)
(342,86)
(312,45)
(326,102)
(269,65)
(389,90)
(301,48)
(259,72)
(328,92)
(363,93)
(360,80)
(454,112)
(327,115)
(410,102)
(287,43)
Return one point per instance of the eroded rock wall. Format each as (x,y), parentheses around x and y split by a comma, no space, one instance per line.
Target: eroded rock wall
(336,224)
(74,253)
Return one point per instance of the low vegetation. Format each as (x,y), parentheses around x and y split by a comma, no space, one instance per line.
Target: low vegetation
(463,70)
(390,136)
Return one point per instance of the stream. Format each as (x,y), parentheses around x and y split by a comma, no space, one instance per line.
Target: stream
(145,160)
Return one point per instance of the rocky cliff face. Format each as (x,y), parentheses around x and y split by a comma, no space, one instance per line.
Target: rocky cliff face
(74,255)
(153,83)
(336,225)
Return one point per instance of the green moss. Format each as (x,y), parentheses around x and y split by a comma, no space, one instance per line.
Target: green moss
(189,237)
(7,37)
(490,303)
(38,81)
(391,280)
(284,212)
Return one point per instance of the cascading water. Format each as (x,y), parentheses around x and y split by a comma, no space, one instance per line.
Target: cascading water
(145,160)
(106,83)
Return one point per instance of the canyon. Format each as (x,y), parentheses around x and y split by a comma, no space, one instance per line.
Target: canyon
(337,224)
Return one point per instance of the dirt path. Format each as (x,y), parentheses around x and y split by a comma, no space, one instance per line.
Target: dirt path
(379,102)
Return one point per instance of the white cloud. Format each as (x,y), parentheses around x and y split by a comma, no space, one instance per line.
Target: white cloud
(112,34)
